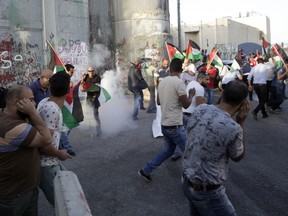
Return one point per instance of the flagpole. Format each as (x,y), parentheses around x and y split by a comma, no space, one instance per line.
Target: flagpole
(57,56)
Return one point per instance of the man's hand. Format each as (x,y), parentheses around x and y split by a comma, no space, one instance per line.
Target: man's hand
(63,154)
(192,92)
(243,113)
(26,106)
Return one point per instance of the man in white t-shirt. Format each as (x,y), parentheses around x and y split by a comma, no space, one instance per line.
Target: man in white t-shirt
(50,111)
(199,86)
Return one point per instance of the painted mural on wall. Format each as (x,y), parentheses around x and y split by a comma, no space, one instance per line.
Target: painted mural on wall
(20,60)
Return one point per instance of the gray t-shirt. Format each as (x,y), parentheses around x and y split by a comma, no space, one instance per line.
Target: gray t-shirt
(169,90)
(212,138)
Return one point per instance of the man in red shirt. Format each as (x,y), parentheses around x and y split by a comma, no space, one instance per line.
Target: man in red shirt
(209,90)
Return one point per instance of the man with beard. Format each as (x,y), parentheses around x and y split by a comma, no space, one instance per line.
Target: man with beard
(213,138)
(200,84)
(22,131)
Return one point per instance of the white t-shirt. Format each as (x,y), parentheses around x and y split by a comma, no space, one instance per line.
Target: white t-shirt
(199,91)
(52,116)
(230,75)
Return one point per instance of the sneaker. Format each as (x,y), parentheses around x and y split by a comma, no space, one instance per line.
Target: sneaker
(146,177)
(175,157)
(265,116)
(142,108)
(71,152)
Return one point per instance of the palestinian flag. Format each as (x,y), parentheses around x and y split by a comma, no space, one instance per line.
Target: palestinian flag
(278,58)
(72,110)
(280,51)
(173,51)
(104,95)
(215,60)
(266,47)
(90,87)
(235,66)
(278,61)
(193,51)
(59,64)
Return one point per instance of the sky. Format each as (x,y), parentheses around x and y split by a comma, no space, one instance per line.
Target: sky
(193,11)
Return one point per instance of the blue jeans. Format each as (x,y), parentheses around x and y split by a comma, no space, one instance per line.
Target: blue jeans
(210,93)
(138,102)
(178,151)
(48,174)
(208,203)
(64,141)
(172,138)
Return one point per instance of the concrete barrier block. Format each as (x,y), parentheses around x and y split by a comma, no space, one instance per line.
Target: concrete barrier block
(69,197)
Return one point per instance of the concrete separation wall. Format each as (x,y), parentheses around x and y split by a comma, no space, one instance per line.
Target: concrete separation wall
(69,197)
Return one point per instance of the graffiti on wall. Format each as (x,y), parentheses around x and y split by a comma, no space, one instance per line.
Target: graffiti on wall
(228,51)
(20,62)
(73,52)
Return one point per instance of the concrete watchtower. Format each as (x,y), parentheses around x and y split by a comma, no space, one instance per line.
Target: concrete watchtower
(140,28)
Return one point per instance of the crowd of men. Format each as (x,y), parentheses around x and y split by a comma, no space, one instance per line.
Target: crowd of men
(204,133)
(34,137)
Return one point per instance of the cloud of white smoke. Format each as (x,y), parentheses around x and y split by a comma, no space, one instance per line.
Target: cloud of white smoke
(115,114)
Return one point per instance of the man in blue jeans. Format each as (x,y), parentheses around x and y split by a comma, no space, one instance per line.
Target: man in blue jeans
(213,137)
(172,97)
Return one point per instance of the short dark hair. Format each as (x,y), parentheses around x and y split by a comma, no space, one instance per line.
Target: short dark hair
(202,75)
(59,84)
(260,60)
(176,65)
(69,66)
(235,92)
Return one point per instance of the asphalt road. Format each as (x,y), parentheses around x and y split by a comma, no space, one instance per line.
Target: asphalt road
(107,169)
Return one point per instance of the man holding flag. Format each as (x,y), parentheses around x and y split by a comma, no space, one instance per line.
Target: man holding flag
(214,62)
(89,85)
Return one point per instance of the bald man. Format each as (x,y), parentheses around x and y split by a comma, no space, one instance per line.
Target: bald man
(93,95)
(40,87)
(22,131)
